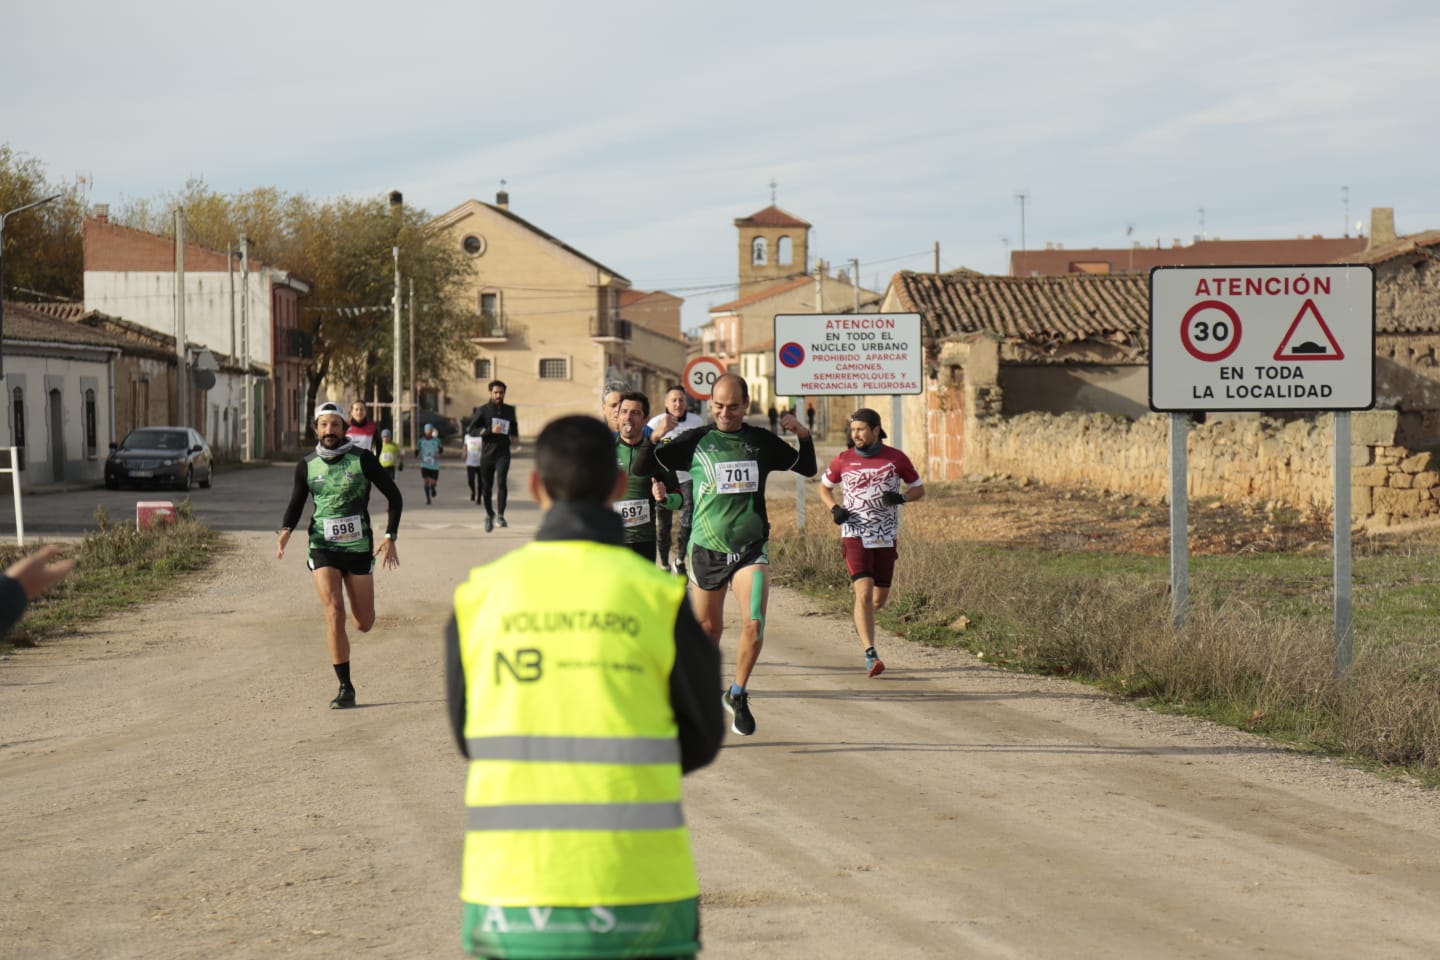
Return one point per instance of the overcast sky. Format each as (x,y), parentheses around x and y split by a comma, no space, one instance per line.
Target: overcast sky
(638,131)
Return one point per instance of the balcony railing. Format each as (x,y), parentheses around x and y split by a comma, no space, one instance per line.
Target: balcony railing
(609,328)
(490,325)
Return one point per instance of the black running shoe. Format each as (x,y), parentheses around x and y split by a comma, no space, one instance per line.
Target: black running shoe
(500,520)
(489,524)
(742,721)
(345,698)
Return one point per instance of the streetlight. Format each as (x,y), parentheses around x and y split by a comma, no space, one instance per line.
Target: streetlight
(3,217)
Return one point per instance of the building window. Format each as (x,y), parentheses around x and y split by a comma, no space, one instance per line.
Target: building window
(784,251)
(757,251)
(492,324)
(482,368)
(554,368)
(90,430)
(17,429)
(474,245)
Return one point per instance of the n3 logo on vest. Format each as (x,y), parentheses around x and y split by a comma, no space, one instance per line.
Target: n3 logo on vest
(525,667)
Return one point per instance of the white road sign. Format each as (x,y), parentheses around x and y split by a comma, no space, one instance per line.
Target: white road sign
(700,376)
(1262,338)
(820,354)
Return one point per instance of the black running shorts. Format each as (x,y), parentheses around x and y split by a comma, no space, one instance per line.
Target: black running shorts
(712,570)
(356,563)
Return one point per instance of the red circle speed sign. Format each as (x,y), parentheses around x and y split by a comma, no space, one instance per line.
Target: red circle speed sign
(700,376)
(1208,338)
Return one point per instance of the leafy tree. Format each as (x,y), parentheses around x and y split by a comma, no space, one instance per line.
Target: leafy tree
(343,248)
(44,253)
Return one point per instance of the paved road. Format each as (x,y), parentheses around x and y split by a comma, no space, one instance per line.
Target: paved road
(250,498)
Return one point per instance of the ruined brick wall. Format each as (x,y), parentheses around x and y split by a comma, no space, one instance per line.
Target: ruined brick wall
(1242,459)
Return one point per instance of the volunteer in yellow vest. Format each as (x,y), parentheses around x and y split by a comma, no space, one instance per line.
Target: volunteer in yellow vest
(391,456)
(579,710)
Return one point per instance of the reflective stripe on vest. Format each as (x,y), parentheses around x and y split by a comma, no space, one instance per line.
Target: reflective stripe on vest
(567,649)
(578,816)
(574,749)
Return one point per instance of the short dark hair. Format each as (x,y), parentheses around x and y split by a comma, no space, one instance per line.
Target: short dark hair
(575,459)
(495,383)
(635,396)
(675,386)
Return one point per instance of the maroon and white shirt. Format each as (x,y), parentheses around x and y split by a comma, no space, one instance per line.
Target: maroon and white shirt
(363,435)
(865,480)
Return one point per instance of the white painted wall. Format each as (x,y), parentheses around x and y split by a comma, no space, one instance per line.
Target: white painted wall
(34,375)
(148,298)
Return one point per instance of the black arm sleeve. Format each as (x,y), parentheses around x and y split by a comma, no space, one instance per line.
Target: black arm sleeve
(12,603)
(648,465)
(376,474)
(677,452)
(805,464)
(455,685)
(298,492)
(694,692)
(514,426)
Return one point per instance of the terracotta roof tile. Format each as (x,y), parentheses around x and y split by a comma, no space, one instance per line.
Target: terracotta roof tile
(771,216)
(1395,248)
(1041,312)
(764,293)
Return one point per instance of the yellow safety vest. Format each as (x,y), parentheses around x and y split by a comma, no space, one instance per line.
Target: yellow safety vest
(574,782)
(389,454)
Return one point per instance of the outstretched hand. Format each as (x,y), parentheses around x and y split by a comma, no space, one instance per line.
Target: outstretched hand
(388,553)
(36,574)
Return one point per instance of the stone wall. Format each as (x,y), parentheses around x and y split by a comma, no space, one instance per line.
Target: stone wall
(1240,459)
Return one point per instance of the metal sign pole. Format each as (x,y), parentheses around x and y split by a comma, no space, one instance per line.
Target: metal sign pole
(1344,620)
(14,471)
(1179,518)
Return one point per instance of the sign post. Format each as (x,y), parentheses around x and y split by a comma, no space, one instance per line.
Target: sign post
(1256,339)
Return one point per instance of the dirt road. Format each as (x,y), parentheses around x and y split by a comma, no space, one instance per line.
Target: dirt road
(176,792)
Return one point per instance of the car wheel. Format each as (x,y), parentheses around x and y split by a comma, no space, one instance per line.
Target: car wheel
(209,478)
(188,483)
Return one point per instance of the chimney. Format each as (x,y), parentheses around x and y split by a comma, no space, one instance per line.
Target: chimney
(396,198)
(102,212)
(1382,226)
(502,199)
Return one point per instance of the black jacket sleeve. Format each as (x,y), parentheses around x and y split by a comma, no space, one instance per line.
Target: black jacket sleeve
(804,464)
(298,492)
(12,603)
(377,475)
(694,692)
(455,685)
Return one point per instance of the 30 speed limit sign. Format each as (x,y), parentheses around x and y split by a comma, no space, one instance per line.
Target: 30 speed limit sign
(700,376)
(1210,330)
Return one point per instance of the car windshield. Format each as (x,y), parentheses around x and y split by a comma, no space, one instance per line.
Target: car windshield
(155,440)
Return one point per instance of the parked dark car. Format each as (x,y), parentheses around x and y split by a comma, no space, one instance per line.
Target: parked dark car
(173,456)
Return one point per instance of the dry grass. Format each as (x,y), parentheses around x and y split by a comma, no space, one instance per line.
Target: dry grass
(1256,650)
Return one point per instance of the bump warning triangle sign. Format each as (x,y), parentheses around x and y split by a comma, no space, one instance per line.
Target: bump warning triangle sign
(1309,338)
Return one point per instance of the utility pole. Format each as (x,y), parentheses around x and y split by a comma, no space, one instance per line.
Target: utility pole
(1022,196)
(247,417)
(937,256)
(3,217)
(855,280)
(395,384)
(182,367)
(414,396)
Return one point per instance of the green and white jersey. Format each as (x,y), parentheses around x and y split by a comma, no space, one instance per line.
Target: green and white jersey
(341,488)
(429,450)
(729,472)
(342,503)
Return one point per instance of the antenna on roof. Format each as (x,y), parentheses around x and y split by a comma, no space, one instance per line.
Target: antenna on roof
(772,191)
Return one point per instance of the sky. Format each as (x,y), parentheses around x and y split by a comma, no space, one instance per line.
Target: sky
(637,131)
